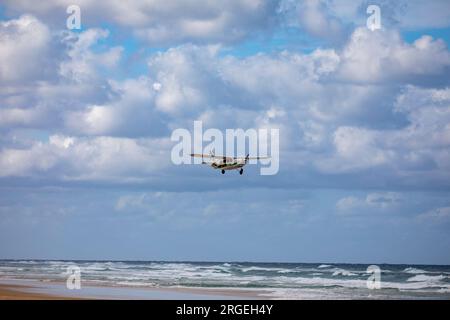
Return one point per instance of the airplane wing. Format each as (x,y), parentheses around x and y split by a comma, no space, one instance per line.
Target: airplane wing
(247,158)
(199,155)
(223,158)
(255,158)
(203,156)
(251,158)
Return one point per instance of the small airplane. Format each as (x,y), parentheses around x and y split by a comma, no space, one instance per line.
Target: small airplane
(226,163)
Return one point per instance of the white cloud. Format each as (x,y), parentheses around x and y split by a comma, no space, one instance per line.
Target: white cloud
(316,18)
(424,14)
(87,159)
(183,75)
(333,117)
(133,103)
(164,22)
(95,120)
(20,117)
(375,57)
(151,204)
(404,14)
(356,148)
(83,63)
(421,145)
(24,44)
(441,214)
(347,203)
(74,83)
(157,86)
(373,201)
(23,162)
(187,209)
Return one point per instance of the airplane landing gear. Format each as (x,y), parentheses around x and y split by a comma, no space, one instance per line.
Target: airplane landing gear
(241,171)
(223,171)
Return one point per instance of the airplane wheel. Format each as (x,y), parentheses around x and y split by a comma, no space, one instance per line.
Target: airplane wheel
(223,171)
(241,171)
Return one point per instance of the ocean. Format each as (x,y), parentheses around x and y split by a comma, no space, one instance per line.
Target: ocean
(271,280)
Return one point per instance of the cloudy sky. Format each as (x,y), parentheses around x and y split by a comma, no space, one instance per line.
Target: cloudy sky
(364,118)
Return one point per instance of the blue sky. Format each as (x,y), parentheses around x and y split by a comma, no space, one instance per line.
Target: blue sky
(86,118)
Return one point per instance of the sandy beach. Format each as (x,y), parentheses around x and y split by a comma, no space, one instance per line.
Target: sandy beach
(39,290)
(19,292)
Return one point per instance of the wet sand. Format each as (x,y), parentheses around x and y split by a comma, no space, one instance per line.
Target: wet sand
(38,290)
(19,292)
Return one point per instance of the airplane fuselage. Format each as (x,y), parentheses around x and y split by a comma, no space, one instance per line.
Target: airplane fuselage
(227,165)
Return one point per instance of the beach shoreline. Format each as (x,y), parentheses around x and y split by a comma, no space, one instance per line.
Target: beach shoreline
(20,292)
(27,289)
(32,279)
